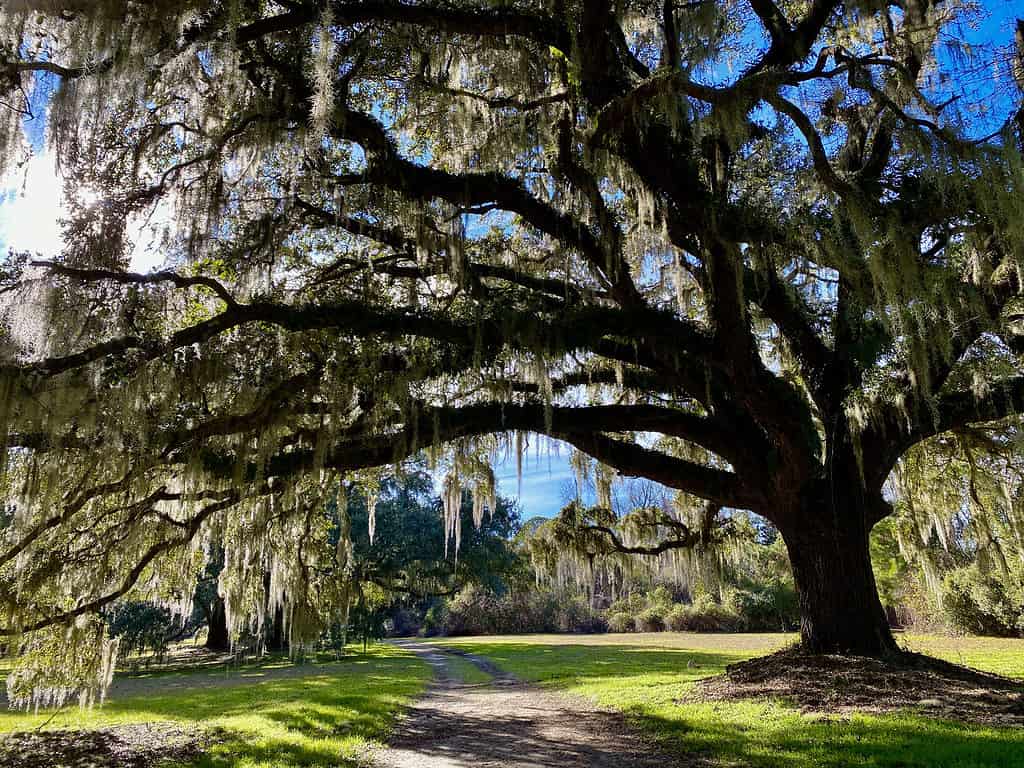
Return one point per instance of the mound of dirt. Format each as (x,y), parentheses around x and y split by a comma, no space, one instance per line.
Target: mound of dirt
(846,684)
(124,746)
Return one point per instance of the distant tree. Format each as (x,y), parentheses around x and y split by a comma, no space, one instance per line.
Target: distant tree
(753,252)
(408,558)
(146,628)
(211,606)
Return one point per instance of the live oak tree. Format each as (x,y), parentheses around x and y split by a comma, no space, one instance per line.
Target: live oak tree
(753,252)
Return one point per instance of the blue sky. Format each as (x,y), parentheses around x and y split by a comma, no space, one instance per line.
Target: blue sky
(545,481)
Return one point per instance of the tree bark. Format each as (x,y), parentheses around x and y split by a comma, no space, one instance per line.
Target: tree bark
(277,640)
(831,561)
(217,639)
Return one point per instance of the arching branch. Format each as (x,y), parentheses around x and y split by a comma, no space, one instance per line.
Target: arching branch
(189,531)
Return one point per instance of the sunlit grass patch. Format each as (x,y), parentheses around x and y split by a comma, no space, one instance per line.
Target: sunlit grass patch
(1004,656)
(327,714)
(465,671)
(729,642)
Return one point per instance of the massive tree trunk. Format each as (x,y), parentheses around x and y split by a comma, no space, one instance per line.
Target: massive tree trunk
(829,554)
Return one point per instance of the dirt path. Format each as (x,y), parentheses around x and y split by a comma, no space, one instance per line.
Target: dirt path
(507,723)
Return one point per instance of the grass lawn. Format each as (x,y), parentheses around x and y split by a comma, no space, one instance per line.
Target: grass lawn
(466,672)
(646,675)
(1004,656)
(327,714)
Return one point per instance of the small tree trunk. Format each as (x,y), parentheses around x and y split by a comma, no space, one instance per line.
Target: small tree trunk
(839,606)
(276,640)
(217,638)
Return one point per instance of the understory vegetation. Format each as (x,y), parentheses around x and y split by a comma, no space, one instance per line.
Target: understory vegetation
(769,257)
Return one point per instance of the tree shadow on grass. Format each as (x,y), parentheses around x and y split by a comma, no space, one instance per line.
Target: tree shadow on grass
(323,717)
(773,735)
(127,746)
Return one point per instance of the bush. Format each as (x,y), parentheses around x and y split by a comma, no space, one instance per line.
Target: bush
(916,608)
(650,620)
(434,619)
(678,618)
(475,611)
(404,622)
(143,627)
(981,604)
(575,614)
(769,607)
(713,618)
(621,621)
(660,597)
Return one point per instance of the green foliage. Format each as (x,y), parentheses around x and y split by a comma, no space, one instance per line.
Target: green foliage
(650,619)
(765,607)
(476,611)
(399,574)
(951,555)
(145,627)
(467,222)
(984,603)
(771,605)
(620,621)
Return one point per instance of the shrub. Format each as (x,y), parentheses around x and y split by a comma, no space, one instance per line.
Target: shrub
(434,619)
(650,620)
(660,597)
(404,622)
(913,607)
(475,611)
(982,604)
(678,618)
(143,627)
(766,607)
(621,621)
(705,615)
(575,614)
(632,604)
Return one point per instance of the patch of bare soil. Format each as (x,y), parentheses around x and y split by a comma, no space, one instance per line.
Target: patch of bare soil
(846,684)
(124,746)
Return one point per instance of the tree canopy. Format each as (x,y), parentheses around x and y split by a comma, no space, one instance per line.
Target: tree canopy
(753,252)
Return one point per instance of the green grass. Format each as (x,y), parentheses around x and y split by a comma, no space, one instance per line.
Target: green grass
(328,714)
(1004,656)
(466,672)
(647,675)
